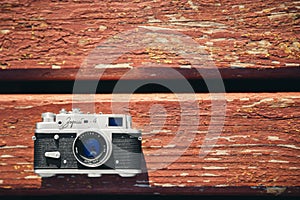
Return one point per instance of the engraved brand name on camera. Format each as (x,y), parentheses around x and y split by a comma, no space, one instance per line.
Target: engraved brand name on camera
(69,122)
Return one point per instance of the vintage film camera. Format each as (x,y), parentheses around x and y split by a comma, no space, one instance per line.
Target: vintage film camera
(93,144)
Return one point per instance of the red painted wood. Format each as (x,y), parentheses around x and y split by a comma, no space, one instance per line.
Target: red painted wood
(237,34)
(145,73)
(256,153)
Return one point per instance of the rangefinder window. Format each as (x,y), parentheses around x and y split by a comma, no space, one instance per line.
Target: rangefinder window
(115,121)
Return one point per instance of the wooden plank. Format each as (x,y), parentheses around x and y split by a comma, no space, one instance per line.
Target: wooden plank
(71,74)
(256,153)
(238,34)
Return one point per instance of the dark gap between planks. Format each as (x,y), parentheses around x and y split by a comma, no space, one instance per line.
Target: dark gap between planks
(108,86)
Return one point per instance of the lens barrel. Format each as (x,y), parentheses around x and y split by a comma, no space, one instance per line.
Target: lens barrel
(92,148)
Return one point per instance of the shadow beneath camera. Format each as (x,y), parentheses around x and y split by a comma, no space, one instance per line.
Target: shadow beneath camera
(107,184)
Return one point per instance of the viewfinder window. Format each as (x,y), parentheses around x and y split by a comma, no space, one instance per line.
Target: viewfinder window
(115,121)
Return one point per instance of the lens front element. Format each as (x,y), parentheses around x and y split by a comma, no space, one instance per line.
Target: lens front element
(91,148)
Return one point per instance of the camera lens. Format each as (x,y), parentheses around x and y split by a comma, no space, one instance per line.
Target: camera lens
(91,148)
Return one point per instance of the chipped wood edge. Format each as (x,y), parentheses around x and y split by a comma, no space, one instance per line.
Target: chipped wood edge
(67,74)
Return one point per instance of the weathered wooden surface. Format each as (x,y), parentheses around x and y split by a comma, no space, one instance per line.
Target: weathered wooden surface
(146,73)
(238,34)
(257,152)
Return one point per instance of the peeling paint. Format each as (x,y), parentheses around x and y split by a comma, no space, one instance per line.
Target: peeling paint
(32,177)
(4,31)
(184,174)
(152,19)
(177,18)
(278,161)
(201,24)
(221,185)
(275,62)
(28,170)
(7,156)
(245,145)
(273,138)
(102,28)
(228,138)
(208,174)
(56,67)
(165,185)
(24,163)
(193,6)
(165,131)
(252,150)
(294,168)
(221,152)
(287,100)
(155,131)
(292,64)
(170,146)
(114,66)
(276,15)
(23,107)
(238,64)
(238,6)
(266,100)
(14,147)
(209,43)
(283,103)
(185,66)
(244,99)
(212,159)
(3,164)
(155,146)
(214,167)
(288,146)
(275,190)
(258,47)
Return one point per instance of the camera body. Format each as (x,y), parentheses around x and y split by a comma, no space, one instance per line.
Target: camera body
(81,143)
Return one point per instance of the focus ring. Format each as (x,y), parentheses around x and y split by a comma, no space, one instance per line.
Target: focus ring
(92,148)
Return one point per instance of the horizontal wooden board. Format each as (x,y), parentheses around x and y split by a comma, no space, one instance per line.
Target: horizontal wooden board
(257,151)
(147,73)
(237,34)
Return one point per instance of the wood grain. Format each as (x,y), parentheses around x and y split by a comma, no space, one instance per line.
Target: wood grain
(142,73)
(256,153)
(61,34)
